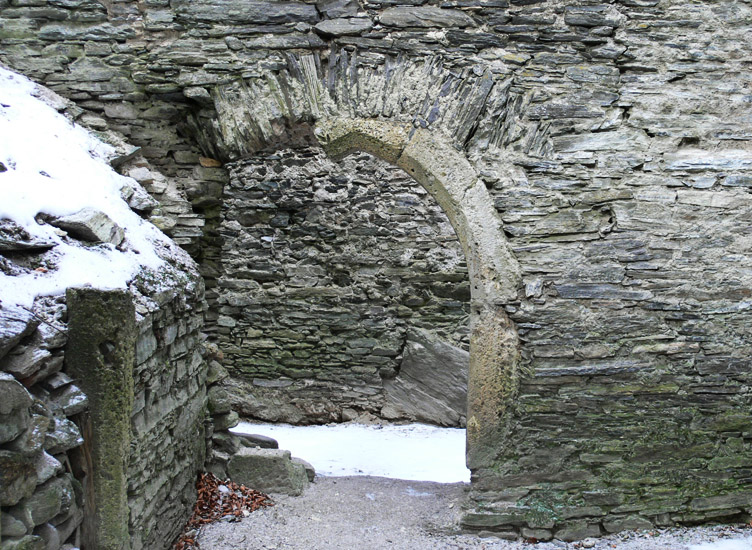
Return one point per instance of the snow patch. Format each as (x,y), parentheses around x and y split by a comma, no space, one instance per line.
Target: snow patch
(55,167)
(414,452)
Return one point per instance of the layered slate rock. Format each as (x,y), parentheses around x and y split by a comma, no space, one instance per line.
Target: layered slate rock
(431,385)
(91,225)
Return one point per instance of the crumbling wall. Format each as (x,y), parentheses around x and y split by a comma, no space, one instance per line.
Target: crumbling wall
(614,139)
(41,498)
(325,266)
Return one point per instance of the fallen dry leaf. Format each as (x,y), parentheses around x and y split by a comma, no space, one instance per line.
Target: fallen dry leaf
(216,500)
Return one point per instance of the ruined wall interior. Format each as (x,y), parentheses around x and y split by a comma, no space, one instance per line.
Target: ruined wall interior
(103,425)
(325,268)
(43,465)
(614,140)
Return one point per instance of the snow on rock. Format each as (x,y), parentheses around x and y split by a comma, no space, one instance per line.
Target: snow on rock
(414,452)
(53,172)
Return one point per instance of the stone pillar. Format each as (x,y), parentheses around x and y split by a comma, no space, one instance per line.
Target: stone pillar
(100,355)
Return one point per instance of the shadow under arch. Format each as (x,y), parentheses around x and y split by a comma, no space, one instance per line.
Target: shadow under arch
(494,272)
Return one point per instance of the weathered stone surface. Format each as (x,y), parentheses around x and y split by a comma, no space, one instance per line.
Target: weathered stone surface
(15,396)
(13,238)
(593,16)
(626,523)
(225,421)
(432,382)
(577,530)
(138,199)
(634,188)
(309,469)
(30,542)
(17,477)
(30,442)
(91,225)
(49,500)
(344,26)
(62,437)
(15,324)
(46,466)
(256,440)
(70,399)
(12,527)
(255,12)
(695,160)
(424,16)
(268,470)
(218,400)
(25,360)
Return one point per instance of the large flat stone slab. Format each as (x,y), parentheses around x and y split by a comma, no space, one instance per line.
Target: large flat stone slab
(432,382)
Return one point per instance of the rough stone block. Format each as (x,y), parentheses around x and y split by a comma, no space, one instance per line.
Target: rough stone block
(47,501)
(225,421)
(268,470)
(219,400)
(577,530)
(424,16)
(17,477)
(10,526)
(62,437)
(613,525)
(15,324)
(255,440)
(432,382)
(29,542)
(310,470)
(91,225)
(341,27)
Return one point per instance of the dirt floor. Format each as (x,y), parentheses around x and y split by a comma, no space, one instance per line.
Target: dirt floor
(372,513)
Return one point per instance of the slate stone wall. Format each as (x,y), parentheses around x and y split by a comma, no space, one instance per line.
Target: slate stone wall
(41,499)
(325,267)
(615,140)
(169,431)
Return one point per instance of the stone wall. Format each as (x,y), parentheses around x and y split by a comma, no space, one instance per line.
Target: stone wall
(614,140)
(169,431)
(325,266)
(43,467)
(41,499)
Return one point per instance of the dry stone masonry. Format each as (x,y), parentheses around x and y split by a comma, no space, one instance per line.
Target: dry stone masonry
(593,160)
(324,268)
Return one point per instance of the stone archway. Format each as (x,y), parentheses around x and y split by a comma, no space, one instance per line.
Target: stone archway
(494,273)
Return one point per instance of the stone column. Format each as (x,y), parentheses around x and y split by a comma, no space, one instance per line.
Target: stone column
(100,355)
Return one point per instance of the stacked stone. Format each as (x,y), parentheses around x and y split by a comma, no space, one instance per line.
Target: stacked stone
(325,267)
(168,444)
(615,140)
(40,497)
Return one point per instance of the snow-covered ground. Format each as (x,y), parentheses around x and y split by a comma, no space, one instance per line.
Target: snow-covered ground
(415,452)
(51,166)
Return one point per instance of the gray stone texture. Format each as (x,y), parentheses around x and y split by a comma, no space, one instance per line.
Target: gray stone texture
(614,140)
(268,471)
(334,313)
(431,385)
(91,225)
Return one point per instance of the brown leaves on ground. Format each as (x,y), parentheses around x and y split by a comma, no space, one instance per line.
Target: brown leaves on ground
(219,500)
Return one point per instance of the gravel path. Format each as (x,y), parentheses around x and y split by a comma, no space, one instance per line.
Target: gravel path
(372,513)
